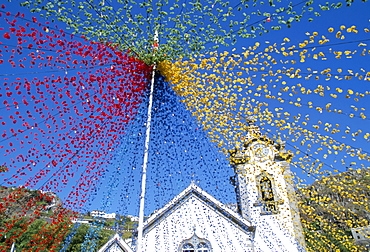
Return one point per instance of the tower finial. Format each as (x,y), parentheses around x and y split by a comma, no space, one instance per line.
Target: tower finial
(252,117)
(250,120)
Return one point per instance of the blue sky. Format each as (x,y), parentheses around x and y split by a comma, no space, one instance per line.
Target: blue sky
(179,149)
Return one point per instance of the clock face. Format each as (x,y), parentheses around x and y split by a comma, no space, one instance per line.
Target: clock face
(260,150)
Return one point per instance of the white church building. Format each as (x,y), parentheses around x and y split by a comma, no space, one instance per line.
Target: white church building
(267,218)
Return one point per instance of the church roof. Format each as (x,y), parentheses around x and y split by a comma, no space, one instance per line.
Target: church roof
(115,244)
(200,194)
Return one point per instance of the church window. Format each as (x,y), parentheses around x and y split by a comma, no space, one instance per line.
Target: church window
(267,197)
(188,247)
(266,189)
(195,244)
(202,247)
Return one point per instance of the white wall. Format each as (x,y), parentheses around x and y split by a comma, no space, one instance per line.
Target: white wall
(361,234)
(223,234)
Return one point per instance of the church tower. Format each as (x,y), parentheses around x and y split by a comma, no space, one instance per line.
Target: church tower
(265,192)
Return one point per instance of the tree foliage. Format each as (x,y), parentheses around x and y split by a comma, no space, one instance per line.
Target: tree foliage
(332,206)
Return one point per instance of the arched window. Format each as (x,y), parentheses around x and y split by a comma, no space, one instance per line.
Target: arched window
(195,244)
(188,247)
(267,195)
(202,247)
(266,189)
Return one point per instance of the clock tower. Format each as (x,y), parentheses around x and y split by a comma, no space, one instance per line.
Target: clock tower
(265,192)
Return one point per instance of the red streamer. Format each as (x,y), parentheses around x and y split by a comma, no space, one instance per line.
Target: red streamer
(66,123)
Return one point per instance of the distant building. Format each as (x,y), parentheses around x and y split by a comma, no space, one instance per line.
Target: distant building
(361,235)
(133,218)
(97,213)
(102,214)
(81,221)
(109,216)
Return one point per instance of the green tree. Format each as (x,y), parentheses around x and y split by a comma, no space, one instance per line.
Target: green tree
(79,237)
(33,234)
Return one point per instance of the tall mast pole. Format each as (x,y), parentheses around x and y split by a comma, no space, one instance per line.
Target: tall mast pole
(146,154)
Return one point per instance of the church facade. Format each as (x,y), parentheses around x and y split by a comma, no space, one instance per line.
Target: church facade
(195,221)
(267,217)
